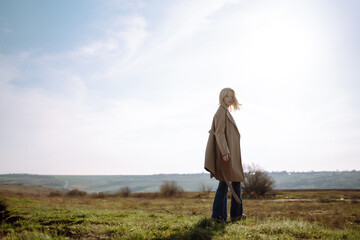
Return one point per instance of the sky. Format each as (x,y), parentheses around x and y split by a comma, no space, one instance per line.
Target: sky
(131,87)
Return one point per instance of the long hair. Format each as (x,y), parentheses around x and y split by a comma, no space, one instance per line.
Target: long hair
(228,92)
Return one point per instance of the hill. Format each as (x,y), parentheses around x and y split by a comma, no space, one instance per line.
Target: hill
(190,182)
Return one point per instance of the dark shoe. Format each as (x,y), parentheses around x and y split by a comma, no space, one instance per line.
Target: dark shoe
(219,220)
(234,219)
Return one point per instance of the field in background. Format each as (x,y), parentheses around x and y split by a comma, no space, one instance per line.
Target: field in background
(30,213)
(189,182)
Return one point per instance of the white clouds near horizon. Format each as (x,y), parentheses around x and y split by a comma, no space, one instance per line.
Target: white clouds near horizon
(139,97)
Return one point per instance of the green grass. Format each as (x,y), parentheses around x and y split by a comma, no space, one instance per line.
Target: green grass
(186,217)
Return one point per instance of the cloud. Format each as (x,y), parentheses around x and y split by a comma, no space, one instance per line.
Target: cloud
(144,91)
(123,36)
(53,135)
(8,71)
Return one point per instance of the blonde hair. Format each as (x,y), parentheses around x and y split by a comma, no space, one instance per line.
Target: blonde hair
(228,92)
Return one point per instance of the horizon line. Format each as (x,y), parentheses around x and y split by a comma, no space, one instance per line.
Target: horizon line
(154,174)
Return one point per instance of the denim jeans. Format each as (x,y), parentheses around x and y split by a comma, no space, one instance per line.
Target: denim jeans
(219,210)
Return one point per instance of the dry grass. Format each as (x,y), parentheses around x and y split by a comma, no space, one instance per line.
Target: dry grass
(318,194)
(22,190)
(328,214)
(323,210)
(113,216)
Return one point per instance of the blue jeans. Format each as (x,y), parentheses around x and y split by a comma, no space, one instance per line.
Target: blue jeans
(219,210)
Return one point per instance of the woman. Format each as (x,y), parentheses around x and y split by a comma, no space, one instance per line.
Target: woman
(223,158)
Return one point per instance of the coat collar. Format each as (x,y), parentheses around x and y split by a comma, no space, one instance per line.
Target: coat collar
(228,114)
(231,119)
(223,106)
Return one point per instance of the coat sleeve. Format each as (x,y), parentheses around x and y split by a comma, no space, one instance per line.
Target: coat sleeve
(220,125)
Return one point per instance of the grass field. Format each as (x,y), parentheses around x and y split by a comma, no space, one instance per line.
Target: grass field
(315,215)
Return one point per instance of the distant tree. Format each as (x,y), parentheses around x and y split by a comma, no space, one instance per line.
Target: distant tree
(76,193)
(257,182)
(125,191)
(54,194)
(170,189)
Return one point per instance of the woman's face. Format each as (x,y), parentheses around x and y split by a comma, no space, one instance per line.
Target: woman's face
(228,100)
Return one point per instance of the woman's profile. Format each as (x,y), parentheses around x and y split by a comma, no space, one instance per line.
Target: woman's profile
(223,158)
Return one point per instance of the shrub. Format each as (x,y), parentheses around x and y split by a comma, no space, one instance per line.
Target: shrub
(170,188)
(54,194)
(125,191)
(257,183)
(76,193)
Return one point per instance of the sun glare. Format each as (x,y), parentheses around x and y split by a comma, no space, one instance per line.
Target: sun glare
(280,46)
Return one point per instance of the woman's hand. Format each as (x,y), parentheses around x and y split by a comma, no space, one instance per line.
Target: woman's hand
(226,157)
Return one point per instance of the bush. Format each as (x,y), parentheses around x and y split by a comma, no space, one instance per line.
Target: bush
(54,194)
(170,188)
(257,183)
(76,193)
(125,191)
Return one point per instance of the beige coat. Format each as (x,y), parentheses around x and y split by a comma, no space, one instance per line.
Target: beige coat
(224,139)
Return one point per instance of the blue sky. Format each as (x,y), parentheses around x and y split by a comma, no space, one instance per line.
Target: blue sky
(130,87)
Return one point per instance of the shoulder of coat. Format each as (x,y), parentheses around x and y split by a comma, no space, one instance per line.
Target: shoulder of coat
(221,110)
